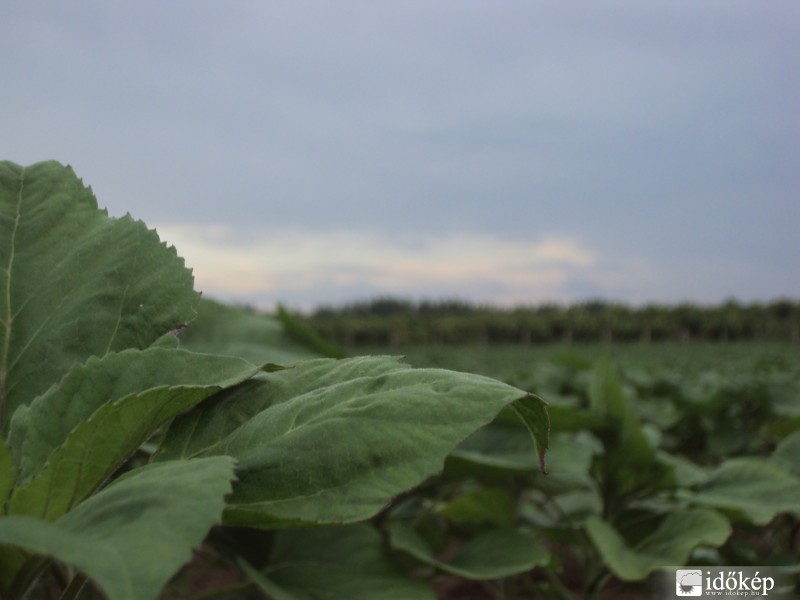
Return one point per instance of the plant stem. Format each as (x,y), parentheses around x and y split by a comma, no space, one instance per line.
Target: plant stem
(597,584)
(558,586)
(26,576)
(74,588)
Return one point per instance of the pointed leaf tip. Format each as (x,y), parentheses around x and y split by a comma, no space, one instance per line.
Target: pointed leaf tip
(542,465)
(532,410)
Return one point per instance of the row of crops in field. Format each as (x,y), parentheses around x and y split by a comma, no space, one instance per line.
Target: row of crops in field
(660,455)
(672,454)
(394,321)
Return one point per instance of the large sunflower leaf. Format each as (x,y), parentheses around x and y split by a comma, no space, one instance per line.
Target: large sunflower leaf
(75,436)
(75,283)
(333,441)
(131,537)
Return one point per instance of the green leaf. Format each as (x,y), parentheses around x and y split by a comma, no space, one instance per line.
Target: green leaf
(571,457)
(131,537)
(481,506)
(71,439)
(669,545)
(503,444)
(569,418)
(234,331)
(335,563)
(630,462)
(531,409)
(750,488)
(787,454)
(303,334)
(495,554)
(607,397)
(687,473)
(75,283)
(333,441)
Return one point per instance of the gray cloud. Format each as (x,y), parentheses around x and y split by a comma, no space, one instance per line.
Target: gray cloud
(667,132)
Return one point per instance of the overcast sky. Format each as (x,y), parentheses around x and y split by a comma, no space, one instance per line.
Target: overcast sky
(507,152)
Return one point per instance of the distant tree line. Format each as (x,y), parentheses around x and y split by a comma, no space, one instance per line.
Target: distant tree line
(394,322)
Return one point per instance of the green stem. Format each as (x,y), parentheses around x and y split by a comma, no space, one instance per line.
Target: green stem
(559,587)
(74,588)
(597,584)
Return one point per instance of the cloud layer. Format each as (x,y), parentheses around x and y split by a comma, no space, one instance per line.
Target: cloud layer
(333,267)
(430,148)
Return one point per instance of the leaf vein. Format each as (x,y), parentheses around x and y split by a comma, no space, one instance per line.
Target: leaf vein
(7,318)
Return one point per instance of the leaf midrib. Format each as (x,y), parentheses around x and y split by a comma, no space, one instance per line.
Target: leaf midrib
(8,318)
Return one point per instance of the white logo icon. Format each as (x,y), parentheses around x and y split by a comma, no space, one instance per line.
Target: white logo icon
(689,583)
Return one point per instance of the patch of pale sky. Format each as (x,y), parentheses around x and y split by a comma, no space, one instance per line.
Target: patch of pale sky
(292,262)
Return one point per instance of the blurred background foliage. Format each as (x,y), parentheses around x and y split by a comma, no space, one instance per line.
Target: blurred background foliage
(391,321)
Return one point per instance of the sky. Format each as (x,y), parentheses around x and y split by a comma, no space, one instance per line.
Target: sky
(504,152)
